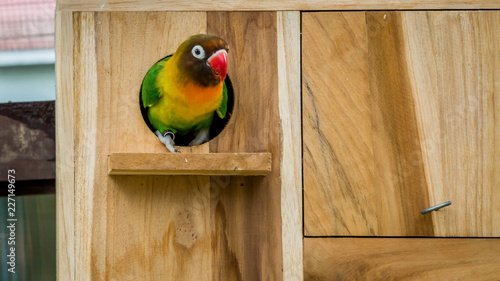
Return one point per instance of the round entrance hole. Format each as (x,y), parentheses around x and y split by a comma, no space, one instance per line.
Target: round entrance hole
(217,126)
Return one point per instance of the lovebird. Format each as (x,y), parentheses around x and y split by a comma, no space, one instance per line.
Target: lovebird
(181,92)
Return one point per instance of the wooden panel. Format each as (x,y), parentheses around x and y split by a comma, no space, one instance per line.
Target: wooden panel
(190,164)
(456,93)
(85,95)
(401,259)
(288,31)
(259,5)
(65,173)
(397,153)
(401,118)
(336,115)
(246,215)
(146,228)
(187,227)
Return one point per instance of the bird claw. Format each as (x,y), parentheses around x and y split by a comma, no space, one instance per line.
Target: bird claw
(168,140)
(201,137)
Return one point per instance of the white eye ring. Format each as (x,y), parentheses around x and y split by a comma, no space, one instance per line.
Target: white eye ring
(198,52)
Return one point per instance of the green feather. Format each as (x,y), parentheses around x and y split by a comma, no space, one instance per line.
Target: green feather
(221,111)
(151,93)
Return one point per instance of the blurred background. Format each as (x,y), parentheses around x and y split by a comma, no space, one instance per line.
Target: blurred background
(27,135)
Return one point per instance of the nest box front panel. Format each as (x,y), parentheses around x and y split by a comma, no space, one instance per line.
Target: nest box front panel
(403,107)
(165,227)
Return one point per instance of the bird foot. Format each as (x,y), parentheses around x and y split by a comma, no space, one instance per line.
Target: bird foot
(201,137)
(168,140)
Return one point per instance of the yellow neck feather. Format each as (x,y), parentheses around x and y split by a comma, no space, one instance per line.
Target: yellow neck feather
(178,86)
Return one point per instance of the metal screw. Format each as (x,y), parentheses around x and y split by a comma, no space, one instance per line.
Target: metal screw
(435,208)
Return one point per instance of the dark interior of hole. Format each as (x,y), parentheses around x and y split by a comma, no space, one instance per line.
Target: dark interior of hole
(218,124)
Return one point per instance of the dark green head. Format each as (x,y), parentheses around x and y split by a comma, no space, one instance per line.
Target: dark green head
(203,59)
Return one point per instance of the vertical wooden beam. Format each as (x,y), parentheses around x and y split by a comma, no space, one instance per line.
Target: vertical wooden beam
(246,212)
(65,146)
(86,94)
(336,126)
(288,31)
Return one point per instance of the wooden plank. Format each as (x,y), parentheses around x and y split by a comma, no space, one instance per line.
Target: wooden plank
(166,218)
(27,134)
(85,108)
(455,87)
(256,164)
(397,151)
(65,173)
(246,212)
(263,5)
(337,126)
(288,31)
(405,120)
(401,259)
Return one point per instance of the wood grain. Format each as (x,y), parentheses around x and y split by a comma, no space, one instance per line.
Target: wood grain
(288,32)
(256,164)
(246,212)
(166,227)
(337,126)
(65,172)
(148,228)
(402,117)
(459,115)
(395,135)
(263,5)
(401,259)
(86,167)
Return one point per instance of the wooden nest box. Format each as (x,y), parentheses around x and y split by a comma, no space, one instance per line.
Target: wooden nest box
(129,209)
(376,114)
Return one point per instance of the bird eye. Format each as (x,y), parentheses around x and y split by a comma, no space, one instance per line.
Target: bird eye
(198,52)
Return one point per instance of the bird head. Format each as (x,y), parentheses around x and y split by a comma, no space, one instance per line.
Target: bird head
(203,59)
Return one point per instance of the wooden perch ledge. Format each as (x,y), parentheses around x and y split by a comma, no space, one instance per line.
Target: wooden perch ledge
(248,164)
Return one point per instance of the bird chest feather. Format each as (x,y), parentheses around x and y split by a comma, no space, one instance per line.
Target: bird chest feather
(186,102)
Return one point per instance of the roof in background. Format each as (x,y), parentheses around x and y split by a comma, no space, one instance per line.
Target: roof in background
(26,24)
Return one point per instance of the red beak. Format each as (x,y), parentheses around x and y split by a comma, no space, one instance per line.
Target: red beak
(218,62)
